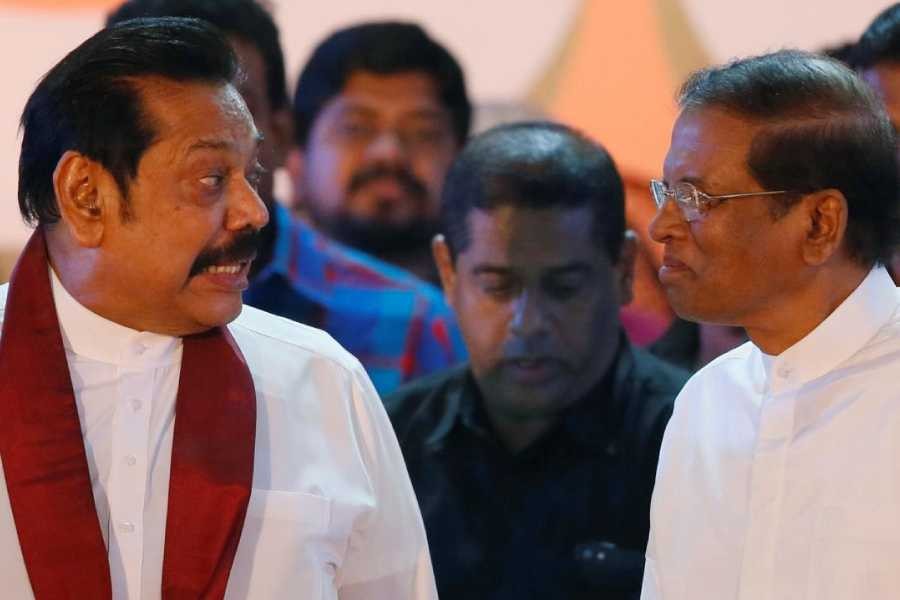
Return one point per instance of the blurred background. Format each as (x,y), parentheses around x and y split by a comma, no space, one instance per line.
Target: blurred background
(608,67)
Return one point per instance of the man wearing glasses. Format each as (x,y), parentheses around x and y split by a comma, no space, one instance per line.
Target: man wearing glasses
(779,476)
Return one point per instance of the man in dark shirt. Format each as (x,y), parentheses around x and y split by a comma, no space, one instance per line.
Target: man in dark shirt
(534,463)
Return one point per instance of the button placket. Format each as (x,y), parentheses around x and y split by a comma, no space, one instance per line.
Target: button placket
(766,492)
(128,475)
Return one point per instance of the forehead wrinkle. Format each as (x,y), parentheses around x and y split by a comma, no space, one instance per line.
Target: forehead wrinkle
(225,144)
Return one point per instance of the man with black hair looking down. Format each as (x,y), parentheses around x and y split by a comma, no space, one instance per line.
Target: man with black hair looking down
(533,463)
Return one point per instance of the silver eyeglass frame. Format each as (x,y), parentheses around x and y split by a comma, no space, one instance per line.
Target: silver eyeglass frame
(693,203)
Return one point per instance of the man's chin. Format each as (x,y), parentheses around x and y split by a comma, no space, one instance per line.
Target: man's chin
(383,236)
(216,313)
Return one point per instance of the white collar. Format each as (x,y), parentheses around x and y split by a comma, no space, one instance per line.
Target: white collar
(91,336)
(843,333)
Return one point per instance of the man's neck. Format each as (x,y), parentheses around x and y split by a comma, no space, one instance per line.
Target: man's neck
(786,321)
(518,435)
(419,262)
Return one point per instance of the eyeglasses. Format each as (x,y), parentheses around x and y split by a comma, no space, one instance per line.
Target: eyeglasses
(693,203)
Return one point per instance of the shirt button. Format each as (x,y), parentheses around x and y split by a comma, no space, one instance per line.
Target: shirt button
(131,460)
(785,372)
(136,404)
(126,526)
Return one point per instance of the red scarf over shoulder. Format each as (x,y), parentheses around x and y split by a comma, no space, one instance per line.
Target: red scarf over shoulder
(46,468)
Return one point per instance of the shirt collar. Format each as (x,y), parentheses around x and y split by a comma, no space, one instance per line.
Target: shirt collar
(91,336)
(589,421)
(839,336)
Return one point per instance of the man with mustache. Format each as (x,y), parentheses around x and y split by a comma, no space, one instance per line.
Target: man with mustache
(381,109)
(533,464)
(395,324)
(156,440)
(778,209)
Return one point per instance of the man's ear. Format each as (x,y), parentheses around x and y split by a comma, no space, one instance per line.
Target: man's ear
(826,214)
(625,268)
(82,194)
(446,269)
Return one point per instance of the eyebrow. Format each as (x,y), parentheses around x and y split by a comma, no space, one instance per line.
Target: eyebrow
(490,270)
(695,181)
(219,144)
(576,267)
(355,107)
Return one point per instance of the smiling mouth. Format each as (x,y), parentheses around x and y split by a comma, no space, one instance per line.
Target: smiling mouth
(230,277)
(229,269)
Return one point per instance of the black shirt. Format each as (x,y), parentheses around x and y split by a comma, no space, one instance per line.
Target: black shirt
(567,517)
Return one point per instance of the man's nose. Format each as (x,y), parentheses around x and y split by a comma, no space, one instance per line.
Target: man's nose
(387,147)
(247,210)
(529,315)
(666,221)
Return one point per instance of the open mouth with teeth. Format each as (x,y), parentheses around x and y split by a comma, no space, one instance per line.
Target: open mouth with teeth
(232,269)
(231,277)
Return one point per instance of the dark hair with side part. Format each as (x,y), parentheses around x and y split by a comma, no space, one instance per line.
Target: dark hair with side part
(383,48)
(820,127)
(247,20)
(90,102)
(536,165)
(880,42)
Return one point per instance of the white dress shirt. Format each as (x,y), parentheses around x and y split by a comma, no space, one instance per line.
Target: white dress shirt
(332,513)
(779,477)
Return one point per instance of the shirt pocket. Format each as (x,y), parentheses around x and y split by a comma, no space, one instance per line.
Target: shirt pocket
(285,550)
(855,553)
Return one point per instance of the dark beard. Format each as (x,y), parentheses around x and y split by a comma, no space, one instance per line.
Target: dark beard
(382,239)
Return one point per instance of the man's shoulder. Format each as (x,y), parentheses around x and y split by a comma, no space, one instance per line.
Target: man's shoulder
(648,388)
(662,378)
(423,403)
(735,362)
(269,338)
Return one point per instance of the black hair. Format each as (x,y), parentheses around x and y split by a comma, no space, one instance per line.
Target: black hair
(536,165)
(820,127)
(248,20)
(383,48)
(841,51)
(880,42)
(90,101)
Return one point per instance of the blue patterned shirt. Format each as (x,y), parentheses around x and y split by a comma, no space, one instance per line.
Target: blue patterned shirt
(397,325)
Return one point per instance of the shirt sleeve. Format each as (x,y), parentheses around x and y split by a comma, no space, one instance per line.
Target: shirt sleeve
(387,557)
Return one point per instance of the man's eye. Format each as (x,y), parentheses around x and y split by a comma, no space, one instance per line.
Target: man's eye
(562,291)
(355,130)
(499,289)
(565,287)
(212,181)
(427,136)
(255,176)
